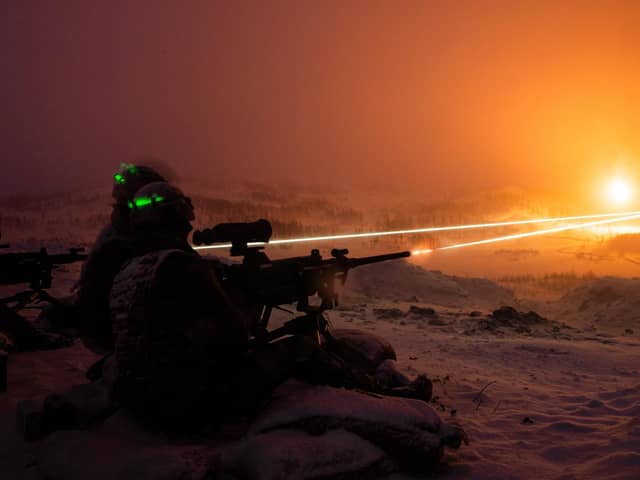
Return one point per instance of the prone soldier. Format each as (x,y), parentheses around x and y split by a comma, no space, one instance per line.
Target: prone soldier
(185,343)
(176,331)
(112,248)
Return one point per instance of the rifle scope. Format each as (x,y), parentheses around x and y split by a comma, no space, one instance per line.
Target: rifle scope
(234,233)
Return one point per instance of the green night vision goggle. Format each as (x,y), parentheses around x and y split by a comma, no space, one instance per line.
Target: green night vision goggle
(142,202)
(119,178)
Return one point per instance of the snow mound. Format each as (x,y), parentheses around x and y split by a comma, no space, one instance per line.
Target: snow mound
(404,281)
(607,302)
(601,433)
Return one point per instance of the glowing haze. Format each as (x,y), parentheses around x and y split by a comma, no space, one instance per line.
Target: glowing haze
(439,95)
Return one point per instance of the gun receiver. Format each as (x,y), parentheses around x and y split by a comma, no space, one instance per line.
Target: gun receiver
(34,268)
(267,284)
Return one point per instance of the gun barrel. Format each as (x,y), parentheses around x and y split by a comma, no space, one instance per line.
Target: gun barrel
(63,258)
(356,262)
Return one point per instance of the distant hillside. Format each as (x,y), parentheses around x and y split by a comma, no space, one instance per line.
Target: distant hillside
(608,303)
(404,281)
(76,217)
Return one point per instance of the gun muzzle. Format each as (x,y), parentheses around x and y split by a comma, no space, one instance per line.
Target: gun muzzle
(234,233)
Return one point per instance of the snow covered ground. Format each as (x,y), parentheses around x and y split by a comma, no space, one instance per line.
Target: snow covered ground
(549,398)
(555,396)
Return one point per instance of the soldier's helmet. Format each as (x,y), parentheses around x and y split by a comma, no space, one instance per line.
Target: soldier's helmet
(131,178)
(161,206)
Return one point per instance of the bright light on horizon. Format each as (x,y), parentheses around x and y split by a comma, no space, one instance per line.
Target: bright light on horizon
(619,191)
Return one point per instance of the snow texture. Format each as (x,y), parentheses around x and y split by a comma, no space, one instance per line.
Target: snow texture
(293,454)
(574,378)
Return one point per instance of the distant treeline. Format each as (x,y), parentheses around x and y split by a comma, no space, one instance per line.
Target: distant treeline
(78,216)
(555,281)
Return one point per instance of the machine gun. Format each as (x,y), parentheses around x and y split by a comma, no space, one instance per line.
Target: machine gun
(35,269)
(269,284)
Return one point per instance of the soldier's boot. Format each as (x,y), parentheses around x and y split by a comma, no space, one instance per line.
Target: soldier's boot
(395,383)
(41,340)
(421,389)
(78,407)
(27,337)
(58,414)
(37,419)
(61,316)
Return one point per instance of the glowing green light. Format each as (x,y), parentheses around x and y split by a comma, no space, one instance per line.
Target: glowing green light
(142,202)
(132,169)
(119,179)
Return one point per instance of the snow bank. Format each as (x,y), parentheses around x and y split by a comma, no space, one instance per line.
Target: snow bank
(402,280)
(610,303)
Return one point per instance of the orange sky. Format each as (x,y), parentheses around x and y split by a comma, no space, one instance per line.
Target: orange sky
(448,95)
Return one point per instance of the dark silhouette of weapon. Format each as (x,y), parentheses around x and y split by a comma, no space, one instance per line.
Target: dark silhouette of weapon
(34,269)
(267,284)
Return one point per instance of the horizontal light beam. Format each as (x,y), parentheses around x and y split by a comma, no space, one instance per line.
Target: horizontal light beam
(350,236)
(528,234)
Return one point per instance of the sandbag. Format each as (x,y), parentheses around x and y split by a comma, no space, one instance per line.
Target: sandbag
(408,430)
(294,455)
(361,349)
